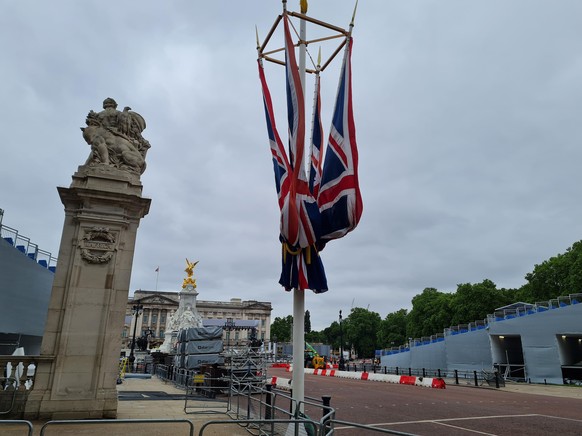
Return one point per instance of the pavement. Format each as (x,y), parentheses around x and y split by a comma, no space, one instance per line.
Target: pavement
(149,399)
(155,399)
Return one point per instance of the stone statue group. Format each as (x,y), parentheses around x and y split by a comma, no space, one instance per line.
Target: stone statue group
(115,138)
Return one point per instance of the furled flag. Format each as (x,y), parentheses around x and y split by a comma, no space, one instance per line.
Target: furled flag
(300,220)
(316,143)
(327,204)
(339,199)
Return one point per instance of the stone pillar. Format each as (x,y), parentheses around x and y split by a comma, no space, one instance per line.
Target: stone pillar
(82,340)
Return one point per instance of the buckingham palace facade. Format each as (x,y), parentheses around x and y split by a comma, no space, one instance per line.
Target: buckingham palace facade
(159,306)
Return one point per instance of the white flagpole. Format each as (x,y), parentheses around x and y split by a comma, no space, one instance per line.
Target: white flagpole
(298,383)
(157,277)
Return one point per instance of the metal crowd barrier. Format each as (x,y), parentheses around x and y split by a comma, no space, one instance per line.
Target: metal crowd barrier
(206,395)
(16,422)
(113,422)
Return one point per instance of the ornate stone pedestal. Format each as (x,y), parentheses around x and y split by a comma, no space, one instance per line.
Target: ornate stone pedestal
(82,340)
(187,314)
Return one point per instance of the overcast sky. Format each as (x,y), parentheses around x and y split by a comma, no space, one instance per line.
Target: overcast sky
(468,118)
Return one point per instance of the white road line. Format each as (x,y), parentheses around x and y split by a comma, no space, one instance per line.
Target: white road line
(437,421)
(444,421)
(465,429)
(559,417)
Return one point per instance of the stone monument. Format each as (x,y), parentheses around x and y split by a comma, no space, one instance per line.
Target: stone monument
(187,315)
(79,363)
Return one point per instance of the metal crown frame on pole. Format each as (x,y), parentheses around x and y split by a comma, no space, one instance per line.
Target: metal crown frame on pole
(298,381)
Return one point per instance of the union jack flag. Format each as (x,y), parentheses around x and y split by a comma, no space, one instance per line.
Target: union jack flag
(316,143)
(300,221)
(339,200)
(327,204)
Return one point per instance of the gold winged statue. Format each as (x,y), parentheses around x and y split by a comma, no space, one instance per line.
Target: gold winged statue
(190,271)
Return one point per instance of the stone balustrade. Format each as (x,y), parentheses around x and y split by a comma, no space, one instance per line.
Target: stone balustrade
(18,371)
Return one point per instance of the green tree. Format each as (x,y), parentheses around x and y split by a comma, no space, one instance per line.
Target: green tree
(281,328)
(392,331)
(559,275)
(430,314)
(314,337)
(474,302)
(307,322)
(331,335)
(361,329)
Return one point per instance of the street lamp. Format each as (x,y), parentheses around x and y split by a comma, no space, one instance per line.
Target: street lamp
(136,311)
(341,366)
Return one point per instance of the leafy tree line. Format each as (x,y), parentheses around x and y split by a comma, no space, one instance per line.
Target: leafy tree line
(433,310)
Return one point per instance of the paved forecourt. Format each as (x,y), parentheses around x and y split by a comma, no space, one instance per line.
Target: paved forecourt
(145,399)
(457,409)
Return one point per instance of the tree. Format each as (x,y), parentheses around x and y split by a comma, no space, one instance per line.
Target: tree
(314,337)
(430,314)
(392,331)
(281,329)
(331,335)
(307,322)
(474,302)
(361,329)
(557,276)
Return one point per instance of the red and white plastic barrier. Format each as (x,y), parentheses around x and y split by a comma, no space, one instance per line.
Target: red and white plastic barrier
(428,382)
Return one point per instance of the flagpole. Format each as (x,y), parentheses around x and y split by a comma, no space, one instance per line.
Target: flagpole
(298,381)
(157,277)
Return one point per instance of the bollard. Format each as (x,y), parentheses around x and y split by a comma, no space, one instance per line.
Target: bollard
(423,372)
(475,375)
(410,372)
(496,379)
(397,371)
(456,377)
(374,368)
(439,373)
(291,401)
(268,401)
(385,370)
(326,407)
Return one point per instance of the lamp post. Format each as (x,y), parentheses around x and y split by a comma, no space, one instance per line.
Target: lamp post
(341,366)
(136,311)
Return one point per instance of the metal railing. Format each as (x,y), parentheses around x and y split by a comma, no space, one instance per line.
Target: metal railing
(12,423)
(27,248)
(114,422)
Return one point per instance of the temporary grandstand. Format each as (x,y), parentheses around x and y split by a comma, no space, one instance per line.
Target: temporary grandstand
(537,343)
(27,274)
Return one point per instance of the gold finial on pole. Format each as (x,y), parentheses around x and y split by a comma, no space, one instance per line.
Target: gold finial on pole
(303,4)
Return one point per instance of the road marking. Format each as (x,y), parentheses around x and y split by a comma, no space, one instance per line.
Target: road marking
(559,417)
(465,429)
(438,421)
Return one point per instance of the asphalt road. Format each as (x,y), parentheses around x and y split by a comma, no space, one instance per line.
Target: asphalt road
(456,410)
